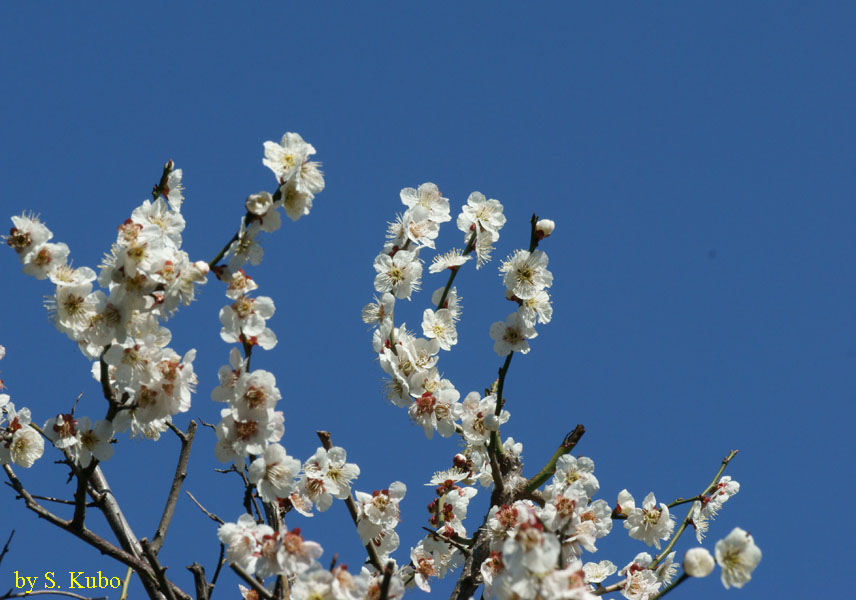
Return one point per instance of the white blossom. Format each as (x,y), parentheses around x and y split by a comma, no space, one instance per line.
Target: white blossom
(738,556)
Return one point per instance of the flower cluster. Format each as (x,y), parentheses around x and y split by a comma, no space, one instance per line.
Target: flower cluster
(525,277)
(20,443)
(377,517)
(264,552)
(146,276)
(536,551)
(534,541)
(80,439)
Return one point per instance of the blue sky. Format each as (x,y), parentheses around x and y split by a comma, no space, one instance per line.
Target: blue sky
(697,161)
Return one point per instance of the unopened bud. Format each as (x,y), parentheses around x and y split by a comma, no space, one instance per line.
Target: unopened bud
(259,204)
(544,228)
(698,562)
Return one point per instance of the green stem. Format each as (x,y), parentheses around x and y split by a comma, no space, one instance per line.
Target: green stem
(671,586)
(470,245)
(495,441)
(213,262)
(687,520)
(549,469)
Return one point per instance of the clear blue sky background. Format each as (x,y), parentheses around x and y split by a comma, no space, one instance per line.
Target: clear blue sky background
(698,162)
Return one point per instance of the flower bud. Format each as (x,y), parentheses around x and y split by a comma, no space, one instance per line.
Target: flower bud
(259,204)
(698,562)
(544,228)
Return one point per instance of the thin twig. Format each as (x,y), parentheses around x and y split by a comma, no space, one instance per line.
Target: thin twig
(687,520)
(220,563)
(177,480)
(683,577)
(211,516)
(458,542)
(469,248)
(83,533)
(495,441)
(123,595)
(204,424)
(6,547)
(56,500)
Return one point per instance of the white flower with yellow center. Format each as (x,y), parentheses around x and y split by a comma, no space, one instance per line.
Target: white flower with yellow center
(440,326)
(649,523)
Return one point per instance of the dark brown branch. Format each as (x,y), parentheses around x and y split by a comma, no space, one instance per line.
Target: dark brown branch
(84,534)
(253,583)
(59,500)
(387,578)
(533,237)
(80,503)
(461,543)
(6,546)
(160,572)
(203,588)
(177,480)
(374,559)
(220,563)
(496,473)
(479,550)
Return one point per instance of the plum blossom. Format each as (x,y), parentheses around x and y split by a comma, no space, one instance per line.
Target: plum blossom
(738,556)
(649,523)
(512,335)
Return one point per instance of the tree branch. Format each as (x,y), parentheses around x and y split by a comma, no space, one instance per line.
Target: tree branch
(211,516)
(6,546)
(177,480)
(83,533)
(549,469)
(203,588)
(253,583)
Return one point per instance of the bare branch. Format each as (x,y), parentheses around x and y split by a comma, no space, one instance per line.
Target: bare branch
(57,500)
(100,491)
(220,563)
(160,572)
(177,480)
(203,588)
(6,547)
(83,533)
(211,516)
